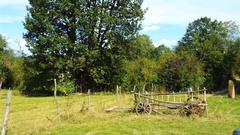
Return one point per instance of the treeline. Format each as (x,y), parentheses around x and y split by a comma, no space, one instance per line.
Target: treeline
(96,45)
(208,56)
(11,67)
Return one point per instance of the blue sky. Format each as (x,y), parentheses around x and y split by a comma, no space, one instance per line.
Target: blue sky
(165,21)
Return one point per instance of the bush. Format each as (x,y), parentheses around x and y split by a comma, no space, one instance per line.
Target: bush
(66,87)
(179,71)
(140,72)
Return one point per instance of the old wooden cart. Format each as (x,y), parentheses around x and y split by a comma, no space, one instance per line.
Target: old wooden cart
(188,103)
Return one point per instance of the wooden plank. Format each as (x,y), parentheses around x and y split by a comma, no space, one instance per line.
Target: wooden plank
(174,99)
(5,118)
(143,90)
(155,94)
(158,101)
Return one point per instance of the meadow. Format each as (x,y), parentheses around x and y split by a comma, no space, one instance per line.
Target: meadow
(37,115)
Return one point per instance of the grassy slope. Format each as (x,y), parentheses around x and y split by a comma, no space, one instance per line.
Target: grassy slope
(36,116)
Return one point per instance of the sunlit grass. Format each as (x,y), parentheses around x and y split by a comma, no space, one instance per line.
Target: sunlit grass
(37,115)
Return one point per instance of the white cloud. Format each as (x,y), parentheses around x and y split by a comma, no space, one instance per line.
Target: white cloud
(167,42)
(183,12)
(17,44)
(13,2)
(150,28)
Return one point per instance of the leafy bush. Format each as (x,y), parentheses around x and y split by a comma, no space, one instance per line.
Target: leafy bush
(140,72)
(66,87)
(179,71)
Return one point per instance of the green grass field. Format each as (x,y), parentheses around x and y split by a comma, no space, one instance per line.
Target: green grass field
(36,115)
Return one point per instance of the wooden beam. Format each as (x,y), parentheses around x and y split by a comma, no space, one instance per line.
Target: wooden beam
(5,118)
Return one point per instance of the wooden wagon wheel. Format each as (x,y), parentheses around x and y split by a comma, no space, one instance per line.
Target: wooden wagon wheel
(190,109)
(143,108)
(198,110)
(196,100)
(186,110)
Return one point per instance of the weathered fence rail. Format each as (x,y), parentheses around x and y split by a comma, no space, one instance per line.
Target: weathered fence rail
(5,117)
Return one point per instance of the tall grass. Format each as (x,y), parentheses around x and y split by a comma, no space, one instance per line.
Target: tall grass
(37,115)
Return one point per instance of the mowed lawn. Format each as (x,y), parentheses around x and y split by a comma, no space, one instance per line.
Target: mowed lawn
(37,115)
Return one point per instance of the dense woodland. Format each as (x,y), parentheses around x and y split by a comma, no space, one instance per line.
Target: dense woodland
(94,44)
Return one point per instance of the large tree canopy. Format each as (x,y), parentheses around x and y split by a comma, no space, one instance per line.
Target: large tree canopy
(139,47)
(201,30)
(209,41)
(83,37)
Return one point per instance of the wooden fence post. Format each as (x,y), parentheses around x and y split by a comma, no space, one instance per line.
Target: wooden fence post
(89,100)
(205,95)
(187,95)
(191,92)
(205,100)
(174,99)
(120,95)
(134,95)
(231,89)
(143,90)
(120,92)
(139,97)
(5,118)
(56,100)
(117,96)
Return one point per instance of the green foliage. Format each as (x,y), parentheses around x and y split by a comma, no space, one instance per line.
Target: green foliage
(174,71)
(179,71)
(3,67)
(232,30)
(6,64)
(209,41)
(140,47)
(3,44)
(140,72)
(66,86)
(17,71)
(97,44)
(37,81)
(191,71)
(201,30)
(84,38)
(159,51)
(233,59)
